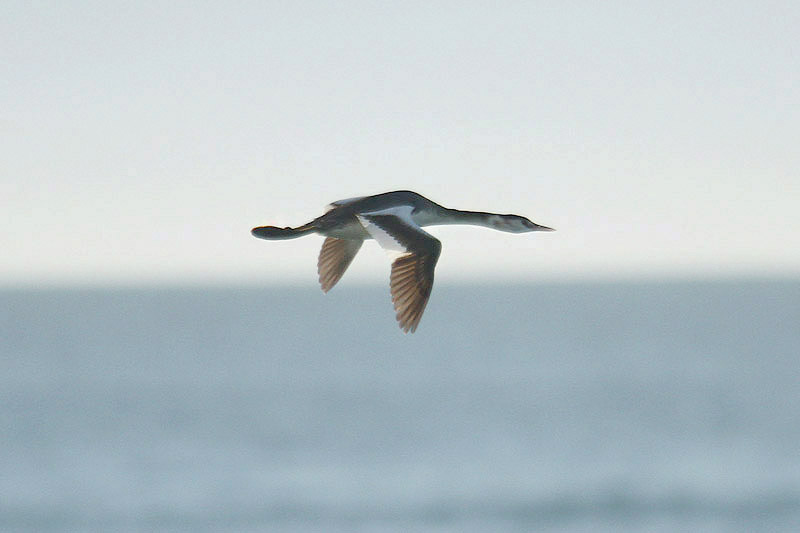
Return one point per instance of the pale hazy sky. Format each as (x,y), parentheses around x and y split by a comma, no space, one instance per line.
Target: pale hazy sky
(140,141)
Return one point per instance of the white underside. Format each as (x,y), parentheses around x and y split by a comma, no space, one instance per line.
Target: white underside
(366,230)
(384,238)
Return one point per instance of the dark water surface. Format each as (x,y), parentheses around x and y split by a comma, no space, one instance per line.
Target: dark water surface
(569,407)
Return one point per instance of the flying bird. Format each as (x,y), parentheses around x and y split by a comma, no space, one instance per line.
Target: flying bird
(395,220)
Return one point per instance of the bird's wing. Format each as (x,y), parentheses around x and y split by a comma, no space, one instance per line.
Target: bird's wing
(340,203)
(411,280)
(334,258)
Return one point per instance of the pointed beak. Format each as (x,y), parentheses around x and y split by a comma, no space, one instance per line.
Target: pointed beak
(537,227)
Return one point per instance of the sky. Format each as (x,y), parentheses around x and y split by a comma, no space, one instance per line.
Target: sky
(140,141)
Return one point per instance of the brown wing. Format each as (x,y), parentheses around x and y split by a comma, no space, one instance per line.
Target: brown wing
(334,258)
(411,280)
(411,283)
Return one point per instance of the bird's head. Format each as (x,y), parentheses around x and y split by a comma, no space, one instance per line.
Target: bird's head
(516,224)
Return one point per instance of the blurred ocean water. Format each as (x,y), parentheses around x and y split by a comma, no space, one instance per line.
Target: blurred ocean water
(668,406)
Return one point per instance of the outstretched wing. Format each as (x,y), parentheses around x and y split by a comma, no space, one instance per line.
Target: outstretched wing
(340,203)
(411,280)
(334,258)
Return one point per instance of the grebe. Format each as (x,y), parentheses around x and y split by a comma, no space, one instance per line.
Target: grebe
(395,220)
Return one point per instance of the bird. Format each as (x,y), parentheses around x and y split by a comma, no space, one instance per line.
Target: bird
(395,220)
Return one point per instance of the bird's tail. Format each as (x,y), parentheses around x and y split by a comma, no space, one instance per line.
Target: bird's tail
(275,233)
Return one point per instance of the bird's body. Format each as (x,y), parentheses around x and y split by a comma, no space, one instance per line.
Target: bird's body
(395,220)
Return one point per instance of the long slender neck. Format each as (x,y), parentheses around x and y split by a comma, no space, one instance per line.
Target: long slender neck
(473,218)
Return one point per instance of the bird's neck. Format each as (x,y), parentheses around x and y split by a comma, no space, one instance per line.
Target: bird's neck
(456,216)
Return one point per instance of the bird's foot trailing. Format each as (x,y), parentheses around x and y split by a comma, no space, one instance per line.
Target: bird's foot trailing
(276,233)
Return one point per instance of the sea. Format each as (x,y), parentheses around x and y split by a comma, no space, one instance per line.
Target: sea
(566,406)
